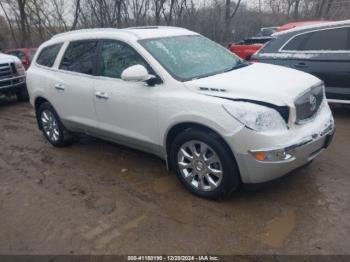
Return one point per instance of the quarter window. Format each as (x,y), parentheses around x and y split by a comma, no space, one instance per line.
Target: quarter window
(80,57)
(48,55)
(324,40)
(116,57)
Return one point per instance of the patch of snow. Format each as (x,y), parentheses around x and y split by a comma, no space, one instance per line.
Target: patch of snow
(286,55)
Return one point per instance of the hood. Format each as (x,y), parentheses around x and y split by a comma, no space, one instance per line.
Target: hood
(261,82)
(4,58)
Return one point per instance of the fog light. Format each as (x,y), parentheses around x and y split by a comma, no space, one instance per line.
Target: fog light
(274,155)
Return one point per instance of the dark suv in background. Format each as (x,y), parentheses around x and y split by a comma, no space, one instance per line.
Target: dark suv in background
(322,50)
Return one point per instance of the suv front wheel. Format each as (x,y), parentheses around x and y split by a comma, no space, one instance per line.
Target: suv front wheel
(204,164)
(52,127)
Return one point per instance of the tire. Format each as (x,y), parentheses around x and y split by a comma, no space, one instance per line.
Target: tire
(22,94)
(52,127)
(197,174)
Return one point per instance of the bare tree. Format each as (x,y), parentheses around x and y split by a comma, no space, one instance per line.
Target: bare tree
(229,15)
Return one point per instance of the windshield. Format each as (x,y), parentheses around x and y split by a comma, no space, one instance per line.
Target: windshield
(190,57)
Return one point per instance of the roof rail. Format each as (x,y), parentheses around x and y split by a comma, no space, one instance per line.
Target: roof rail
(86,31)
(155,27)
(143,27)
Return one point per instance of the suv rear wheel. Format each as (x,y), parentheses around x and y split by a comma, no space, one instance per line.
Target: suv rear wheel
(52,127)
(204,164)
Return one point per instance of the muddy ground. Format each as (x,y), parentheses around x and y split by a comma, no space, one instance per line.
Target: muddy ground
(100,198)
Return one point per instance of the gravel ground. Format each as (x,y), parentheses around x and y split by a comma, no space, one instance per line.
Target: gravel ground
(100,198)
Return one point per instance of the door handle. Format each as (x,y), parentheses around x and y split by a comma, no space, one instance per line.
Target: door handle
(59,87)
(301,65)
(101,95)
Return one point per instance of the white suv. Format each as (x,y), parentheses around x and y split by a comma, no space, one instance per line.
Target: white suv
(217,120)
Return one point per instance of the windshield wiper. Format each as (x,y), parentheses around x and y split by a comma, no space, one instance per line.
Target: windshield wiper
(240,64)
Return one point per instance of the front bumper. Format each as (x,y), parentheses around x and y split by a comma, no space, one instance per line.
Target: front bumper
(12,84)
(304,144)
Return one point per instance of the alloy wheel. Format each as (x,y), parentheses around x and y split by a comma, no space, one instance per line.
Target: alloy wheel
(50,125)
(200,165)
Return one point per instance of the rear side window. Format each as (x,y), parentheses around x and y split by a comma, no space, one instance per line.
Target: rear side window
(325,40)
(48,55)
(296,42)
(80,57)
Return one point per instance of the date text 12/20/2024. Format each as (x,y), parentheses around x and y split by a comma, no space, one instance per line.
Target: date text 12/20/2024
(173,258)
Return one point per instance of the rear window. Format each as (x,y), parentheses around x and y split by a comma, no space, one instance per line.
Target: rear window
(325,40)
(48,55)
(80,57)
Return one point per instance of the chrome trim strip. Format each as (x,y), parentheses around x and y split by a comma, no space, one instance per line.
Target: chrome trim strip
(12,78)
(336,101)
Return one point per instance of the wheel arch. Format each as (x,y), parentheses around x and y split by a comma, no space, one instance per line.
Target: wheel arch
(181,127)
(38,101)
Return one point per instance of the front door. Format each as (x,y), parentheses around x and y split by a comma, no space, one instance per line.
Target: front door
(126,111)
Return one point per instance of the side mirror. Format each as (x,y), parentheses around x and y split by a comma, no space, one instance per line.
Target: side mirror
(136,73)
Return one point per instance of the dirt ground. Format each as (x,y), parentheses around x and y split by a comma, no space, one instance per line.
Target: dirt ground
(100,198)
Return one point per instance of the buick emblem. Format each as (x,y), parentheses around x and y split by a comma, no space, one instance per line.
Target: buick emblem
(313,102)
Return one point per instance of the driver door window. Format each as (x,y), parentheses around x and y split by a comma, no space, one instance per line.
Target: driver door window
(116,57)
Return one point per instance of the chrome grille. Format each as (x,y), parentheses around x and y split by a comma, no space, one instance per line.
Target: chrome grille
(308,104)
(5,73)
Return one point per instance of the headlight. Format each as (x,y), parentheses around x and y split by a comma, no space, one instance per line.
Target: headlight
(256,117)
(19,67)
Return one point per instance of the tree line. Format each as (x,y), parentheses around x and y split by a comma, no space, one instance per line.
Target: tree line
(27,23)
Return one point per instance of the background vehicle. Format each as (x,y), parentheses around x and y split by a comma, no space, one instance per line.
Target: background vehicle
(322,50)
(12,77)
(300,24)
(24,54)
(247,47)
(267,31)
(217,120)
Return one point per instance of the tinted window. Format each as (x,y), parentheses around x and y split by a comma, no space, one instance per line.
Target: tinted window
(48,55)
(116,57)
(296,42)
(80,57)
(333,40)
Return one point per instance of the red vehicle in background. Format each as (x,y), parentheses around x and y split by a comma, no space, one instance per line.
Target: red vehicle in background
(24,54)
(247,47)
(298,24)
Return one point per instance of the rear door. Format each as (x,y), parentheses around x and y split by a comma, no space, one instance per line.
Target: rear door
(72,86)
(325,54)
